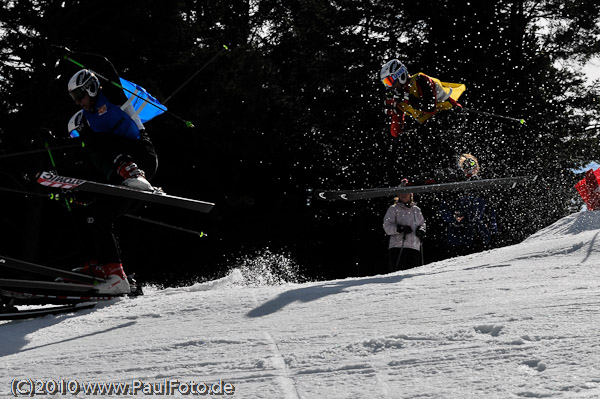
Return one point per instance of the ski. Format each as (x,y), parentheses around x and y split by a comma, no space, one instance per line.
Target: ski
(55,181)
(48,271)
(489,184)
(11,313)
(27,298)
(46,285)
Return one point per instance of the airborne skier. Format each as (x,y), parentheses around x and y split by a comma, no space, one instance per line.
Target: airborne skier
(115,138)
(419,95)
(116,143)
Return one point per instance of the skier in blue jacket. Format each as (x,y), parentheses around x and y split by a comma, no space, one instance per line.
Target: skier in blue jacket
(117,139)
(120,151)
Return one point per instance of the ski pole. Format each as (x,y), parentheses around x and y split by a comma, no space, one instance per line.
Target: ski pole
(200,234)
(30,152)
(225,48)
(474,111)
(47,146)
(400,254)
(164,109)
(26,192)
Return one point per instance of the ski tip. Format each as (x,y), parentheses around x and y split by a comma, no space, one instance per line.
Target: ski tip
(329,195)
(320,194)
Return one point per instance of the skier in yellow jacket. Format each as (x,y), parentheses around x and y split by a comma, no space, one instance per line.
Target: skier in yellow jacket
(419,95)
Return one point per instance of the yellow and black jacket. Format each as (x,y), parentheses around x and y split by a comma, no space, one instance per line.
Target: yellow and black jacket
(422,97)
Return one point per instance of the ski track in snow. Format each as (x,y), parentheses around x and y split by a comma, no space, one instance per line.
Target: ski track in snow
(515,322)
(285,380)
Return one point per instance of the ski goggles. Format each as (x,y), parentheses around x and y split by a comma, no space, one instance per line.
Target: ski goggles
(470,168)
(390,80)
(78,94)
(469,164)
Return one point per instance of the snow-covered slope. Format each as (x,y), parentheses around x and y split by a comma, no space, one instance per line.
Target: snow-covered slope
(520,321)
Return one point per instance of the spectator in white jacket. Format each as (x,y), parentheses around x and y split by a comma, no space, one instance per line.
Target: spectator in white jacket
(405,225)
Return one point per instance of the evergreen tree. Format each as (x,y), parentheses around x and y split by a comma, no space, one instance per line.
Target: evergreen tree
(296,104)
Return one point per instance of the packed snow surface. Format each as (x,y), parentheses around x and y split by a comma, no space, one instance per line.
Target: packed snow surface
(515,322)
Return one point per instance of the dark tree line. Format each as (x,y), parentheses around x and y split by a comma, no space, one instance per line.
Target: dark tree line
(296,104)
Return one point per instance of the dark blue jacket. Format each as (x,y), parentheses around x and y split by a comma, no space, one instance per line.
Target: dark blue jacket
(470,221)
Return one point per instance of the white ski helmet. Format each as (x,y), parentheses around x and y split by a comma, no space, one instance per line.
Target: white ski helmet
(83,82)
(76,124)
(393,71)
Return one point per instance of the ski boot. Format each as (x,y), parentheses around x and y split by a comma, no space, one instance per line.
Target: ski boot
(133,177)
(116,282)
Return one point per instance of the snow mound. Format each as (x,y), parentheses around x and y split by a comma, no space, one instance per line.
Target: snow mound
(262,269)
(512,322)
(576,223)
(267,268)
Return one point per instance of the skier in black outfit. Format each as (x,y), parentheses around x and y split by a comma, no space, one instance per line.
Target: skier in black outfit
(470,220)
(116,142)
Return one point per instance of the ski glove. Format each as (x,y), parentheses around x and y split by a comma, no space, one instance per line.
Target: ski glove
(390,106)
(420,232)
(404,229)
